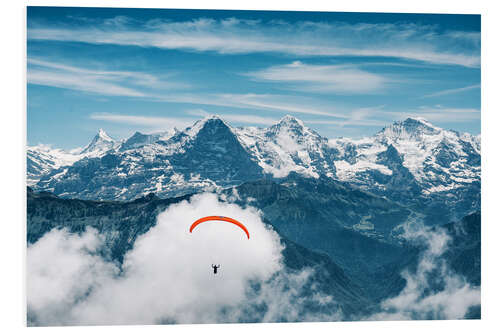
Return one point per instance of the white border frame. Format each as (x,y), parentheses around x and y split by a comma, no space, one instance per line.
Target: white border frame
(13,141)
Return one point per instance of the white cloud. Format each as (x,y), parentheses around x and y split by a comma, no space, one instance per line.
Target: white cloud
(153,123)
(167,276)
(133,84)
(238,118)
(232,36)
(114,83)
(89,84)
(419,299)
(349,123)
(323,78)
(440,113)
(262,102)
(357,117)
(61,269)
(453,91)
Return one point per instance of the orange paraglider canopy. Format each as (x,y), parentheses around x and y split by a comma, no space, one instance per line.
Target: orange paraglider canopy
(219,218)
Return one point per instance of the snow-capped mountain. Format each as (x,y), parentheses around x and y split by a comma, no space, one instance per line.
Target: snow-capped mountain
(42,159)
(205,155)
(435,159)
(407,160)
(100,145)
(289,146)
(416,163)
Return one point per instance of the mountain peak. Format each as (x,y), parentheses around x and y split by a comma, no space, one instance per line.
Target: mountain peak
(289,124)
(101,141)
(210,121)
(101,134)
(411,127)
(212,117)
(417,121)
(291,120)
(136,134)
(138,140)
(420,124)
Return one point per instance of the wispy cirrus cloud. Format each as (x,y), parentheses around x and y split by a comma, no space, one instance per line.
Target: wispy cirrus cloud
(260,102)
(150,87)
(153,123)
(238,118)
(344,79)
(234,36)
(440,113)
(73,78)
(102,82)
(149,122)
(382,116)
(453,91)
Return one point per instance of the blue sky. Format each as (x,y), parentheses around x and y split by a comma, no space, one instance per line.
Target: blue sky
(343,74)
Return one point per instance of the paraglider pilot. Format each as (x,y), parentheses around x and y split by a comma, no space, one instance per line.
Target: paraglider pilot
(215,267)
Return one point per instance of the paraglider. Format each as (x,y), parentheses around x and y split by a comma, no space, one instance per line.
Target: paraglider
(219,218)
(215,267)
(222,219)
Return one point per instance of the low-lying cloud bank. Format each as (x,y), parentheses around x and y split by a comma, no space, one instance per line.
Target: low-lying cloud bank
(167,276)
(433,290)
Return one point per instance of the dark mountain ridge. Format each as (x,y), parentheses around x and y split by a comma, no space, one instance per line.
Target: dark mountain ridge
(122,222)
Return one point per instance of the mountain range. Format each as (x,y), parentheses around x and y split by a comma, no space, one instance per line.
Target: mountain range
(434,171)
(338,205)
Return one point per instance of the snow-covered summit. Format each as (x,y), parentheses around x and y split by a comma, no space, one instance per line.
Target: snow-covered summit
(411,128)
(212,121)
(290,121)
(100,144)
(103,135)
(288,146)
